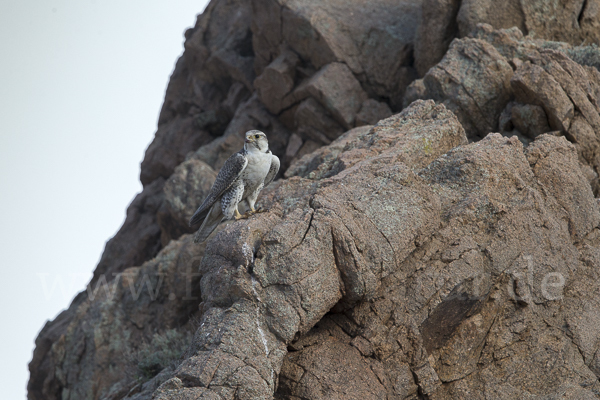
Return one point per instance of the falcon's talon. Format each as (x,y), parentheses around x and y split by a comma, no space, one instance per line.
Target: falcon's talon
(237,215)
(247,214)
(260,210)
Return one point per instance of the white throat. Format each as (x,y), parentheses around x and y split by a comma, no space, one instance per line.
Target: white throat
(254,149)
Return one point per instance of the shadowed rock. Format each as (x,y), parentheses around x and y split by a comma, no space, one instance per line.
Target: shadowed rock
(371,112)
(529,119)
(374,41)
(533,85)
(435,32)
(276,81)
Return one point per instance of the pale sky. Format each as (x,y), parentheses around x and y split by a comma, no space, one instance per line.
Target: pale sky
(81,85)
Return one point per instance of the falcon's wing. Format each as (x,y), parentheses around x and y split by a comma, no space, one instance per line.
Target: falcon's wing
(272,170)
(230,171)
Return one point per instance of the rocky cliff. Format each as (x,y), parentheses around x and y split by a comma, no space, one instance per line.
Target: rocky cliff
(433,234)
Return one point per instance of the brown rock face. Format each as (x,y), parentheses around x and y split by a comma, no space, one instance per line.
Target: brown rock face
(499,14)
(473,80)
(532,85)
(411,255)
(437,29)
(277,80)
(571,21)
(502,81)
(397,262)
(374,40)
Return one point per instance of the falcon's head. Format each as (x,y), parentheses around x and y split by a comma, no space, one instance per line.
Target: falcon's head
(256,140)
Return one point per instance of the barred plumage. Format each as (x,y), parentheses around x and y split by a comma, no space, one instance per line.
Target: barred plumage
(241,178)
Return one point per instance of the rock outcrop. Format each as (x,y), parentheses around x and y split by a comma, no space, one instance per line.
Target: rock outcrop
(408,252)
(570,21)
(499,80)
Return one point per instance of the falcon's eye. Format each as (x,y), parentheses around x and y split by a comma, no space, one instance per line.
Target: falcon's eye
(256,136)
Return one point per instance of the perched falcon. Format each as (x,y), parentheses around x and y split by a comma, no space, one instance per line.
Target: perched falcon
(242,177)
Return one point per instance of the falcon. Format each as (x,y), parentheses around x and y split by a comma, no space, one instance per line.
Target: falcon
(241,178)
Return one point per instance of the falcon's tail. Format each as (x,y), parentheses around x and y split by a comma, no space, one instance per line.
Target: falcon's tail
(210,223)
(199,216)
